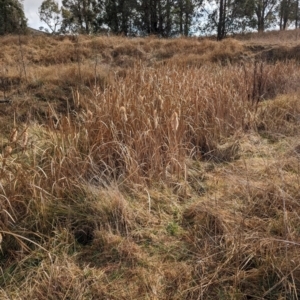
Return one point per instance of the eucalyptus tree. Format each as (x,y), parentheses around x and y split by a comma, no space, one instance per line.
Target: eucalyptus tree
(81,15)
(296,13)
(265,13)
(12,17)
(284,10)
(288,13)
(120,16)
(50,14)
(151,16)
(185,10)
(167,17)
(229,16)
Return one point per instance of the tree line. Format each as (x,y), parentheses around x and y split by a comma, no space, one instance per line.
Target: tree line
(165,18)
(12,17)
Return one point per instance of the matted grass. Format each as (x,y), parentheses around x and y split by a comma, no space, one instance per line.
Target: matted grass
(148,169)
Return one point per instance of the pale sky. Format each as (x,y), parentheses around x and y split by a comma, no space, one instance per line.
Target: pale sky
(31,12)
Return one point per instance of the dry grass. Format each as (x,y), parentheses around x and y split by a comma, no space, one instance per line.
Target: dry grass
(285,38)
(148,169)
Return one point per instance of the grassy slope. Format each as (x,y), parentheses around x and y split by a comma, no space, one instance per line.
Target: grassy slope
(150,169)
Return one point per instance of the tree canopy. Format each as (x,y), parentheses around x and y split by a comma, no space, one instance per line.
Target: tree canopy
(50,13)
(12,17)
(168,18)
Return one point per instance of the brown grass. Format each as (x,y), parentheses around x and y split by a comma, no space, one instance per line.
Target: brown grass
(287,37)
(148,169)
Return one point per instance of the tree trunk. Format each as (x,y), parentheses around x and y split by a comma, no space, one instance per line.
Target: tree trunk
(281,17)
(85,16)
(297,14)
(168,19)
(260,14)
(124,18)
(219,34)
(187,18)
(146,15)
(160,18)
(181,17)
(287,11)
(153,16)
(222,20)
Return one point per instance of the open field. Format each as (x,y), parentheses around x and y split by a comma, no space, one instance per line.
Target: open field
(150,168)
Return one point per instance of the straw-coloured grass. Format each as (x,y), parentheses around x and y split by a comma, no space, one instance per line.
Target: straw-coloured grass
(148,169)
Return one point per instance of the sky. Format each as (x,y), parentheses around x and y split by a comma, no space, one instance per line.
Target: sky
(31,12)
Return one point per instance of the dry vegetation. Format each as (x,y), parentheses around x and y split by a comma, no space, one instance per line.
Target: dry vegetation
(149,168)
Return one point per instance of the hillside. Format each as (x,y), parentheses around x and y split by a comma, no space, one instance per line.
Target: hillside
(150,168)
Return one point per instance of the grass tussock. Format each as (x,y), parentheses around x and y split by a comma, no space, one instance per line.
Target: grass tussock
(284,37)
(148,169)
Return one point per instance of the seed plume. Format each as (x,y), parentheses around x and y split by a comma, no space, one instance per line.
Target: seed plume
(7,151)
(155,118)
(123,114)
(13,136)
(174,121)
(25,138)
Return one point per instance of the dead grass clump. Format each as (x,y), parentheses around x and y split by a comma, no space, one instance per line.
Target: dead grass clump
(128,49)
(102,43)
(224,153)
(229,50)
(56,82)
(48,50)
(231,259)
(275,54)
(59,279)
(108,248)
(72,76)
(45,50)
(271,37)
(266,81)
(195,53)
(134,136)
(279,116)
(105,211)
(271,202)
(206,222)
(63,52)
(116,213)
(281,53)
(177,281)
(249,217)
(162,53)
(9,82)
(124,61)
(189,60)
(130,138)
(149,182)
(9,40)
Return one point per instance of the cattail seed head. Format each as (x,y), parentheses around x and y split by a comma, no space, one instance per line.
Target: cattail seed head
(96,90)
(25,138)
(148,123)
(174,121)
(7,151)
(123,114)
(89,115)
(160,102)
(13,136)
(77,97)
(155,118)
